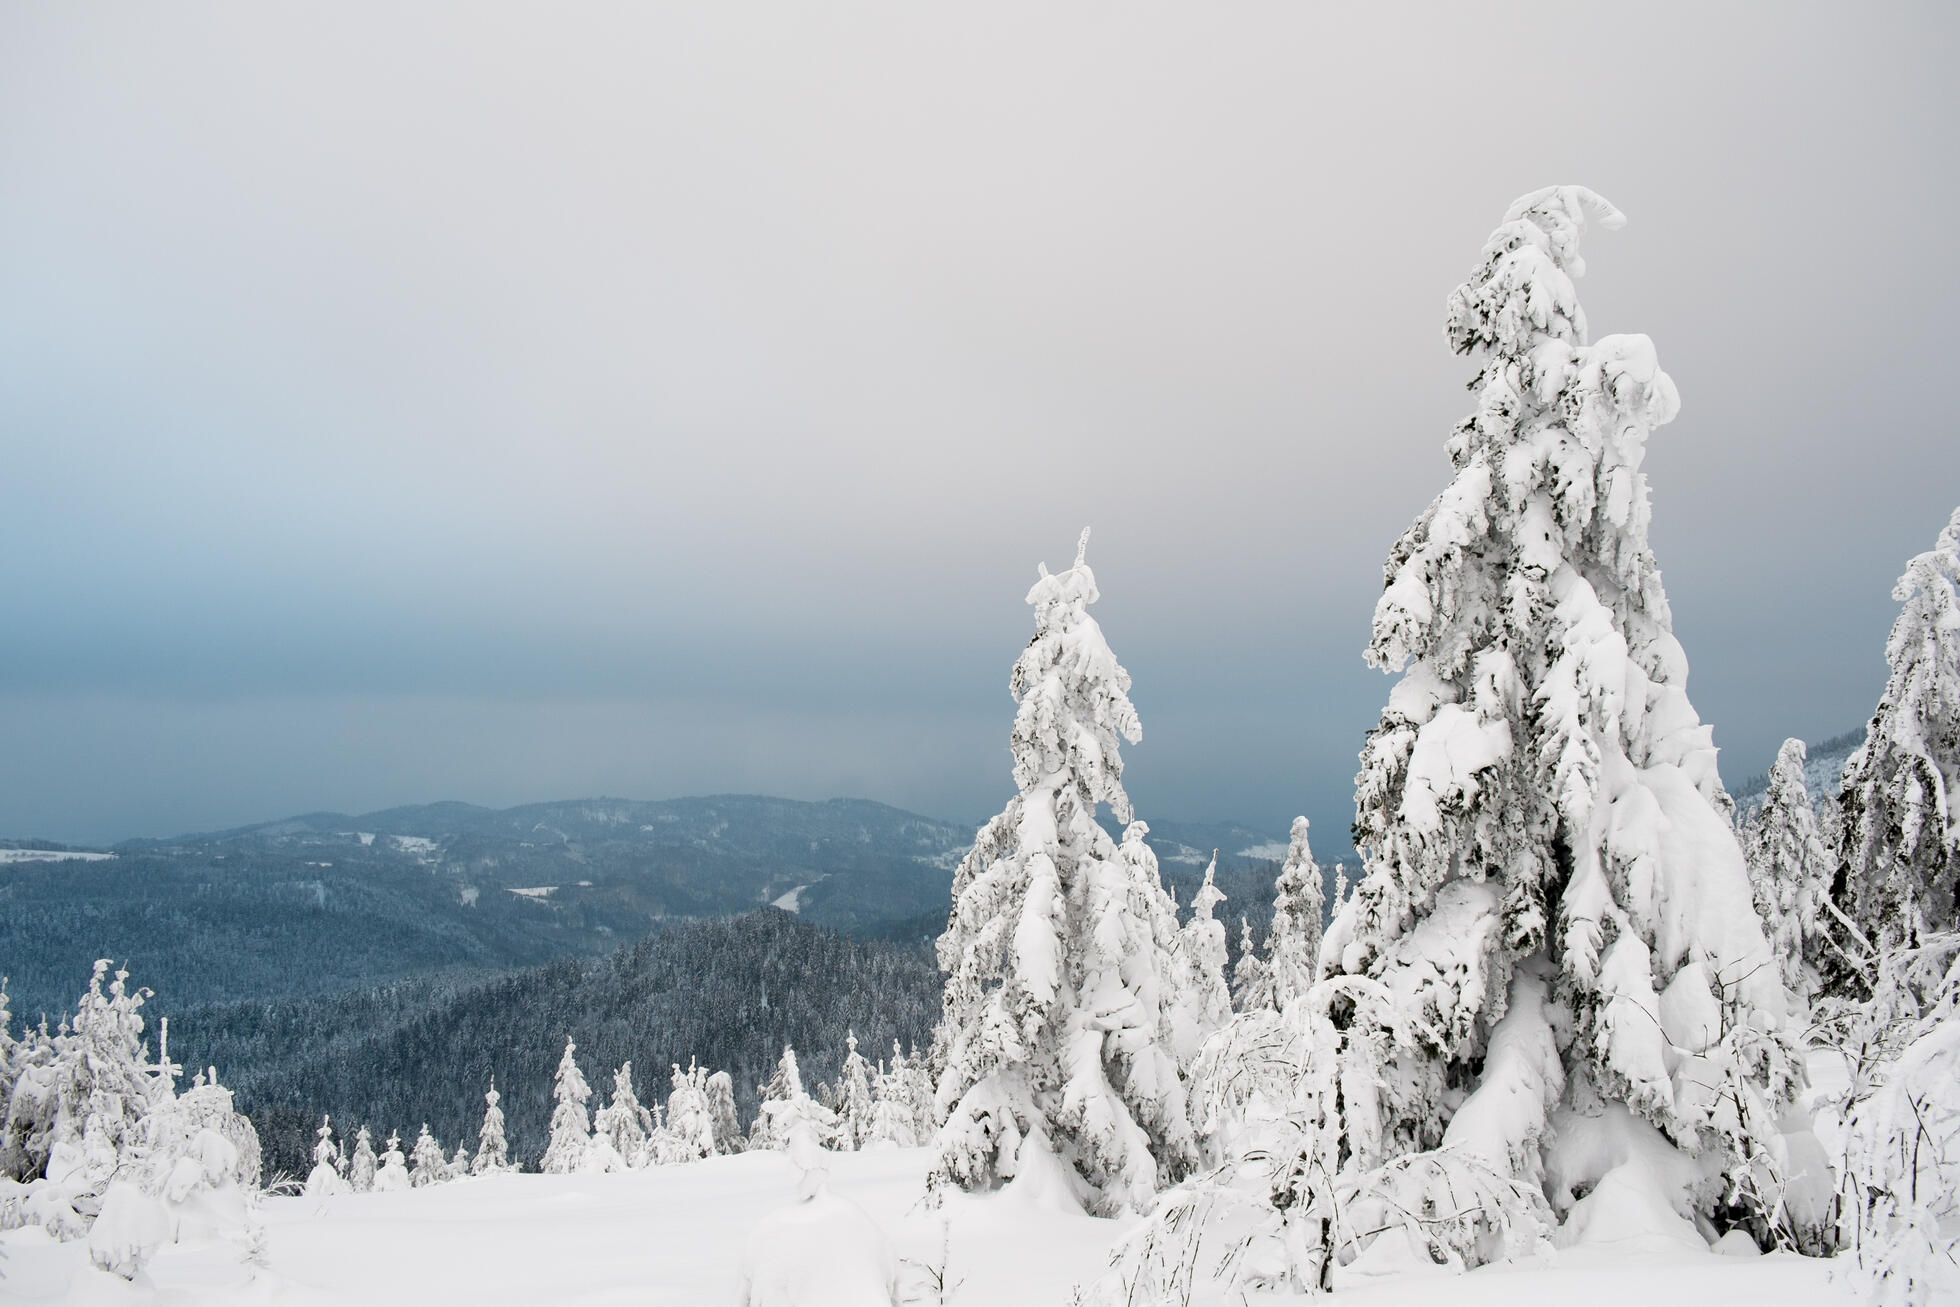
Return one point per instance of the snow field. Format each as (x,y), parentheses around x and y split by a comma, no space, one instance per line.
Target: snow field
(677,1234)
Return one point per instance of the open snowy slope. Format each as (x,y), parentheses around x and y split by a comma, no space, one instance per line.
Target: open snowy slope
(675,1235)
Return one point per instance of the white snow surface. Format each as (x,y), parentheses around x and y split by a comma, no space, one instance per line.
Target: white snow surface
(790,902)
(52,855)
(531,891)
(677,1235)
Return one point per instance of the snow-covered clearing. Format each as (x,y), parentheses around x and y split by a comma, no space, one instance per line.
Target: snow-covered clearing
(52,855)
(676,1234)
(790,902)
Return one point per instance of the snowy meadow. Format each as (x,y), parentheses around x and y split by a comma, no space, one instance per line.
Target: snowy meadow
(1576,1030)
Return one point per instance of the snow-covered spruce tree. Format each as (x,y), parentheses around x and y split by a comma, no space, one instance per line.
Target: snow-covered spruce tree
(1293,944)
(426,1163)
(690,1132)
(1057,1032)
(571,1132)
(853,1097)
(393,1175)
(492,1151)
(1539,787)
(459,1165)
(623,1121)
(323,1181)
(787,1110)
(1790,872)
(1252,978)
(725,1118)
(361,1167)
(1900,869)
(1201,951)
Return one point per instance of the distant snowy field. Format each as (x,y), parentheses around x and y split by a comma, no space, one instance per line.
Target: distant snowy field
(51,855)
(675,1235)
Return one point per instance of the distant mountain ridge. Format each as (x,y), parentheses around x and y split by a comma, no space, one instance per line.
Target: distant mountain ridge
(326,902)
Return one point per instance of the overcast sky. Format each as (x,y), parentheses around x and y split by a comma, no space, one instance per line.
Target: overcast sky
(402,403)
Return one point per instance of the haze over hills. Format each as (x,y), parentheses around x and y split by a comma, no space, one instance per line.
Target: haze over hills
(325,903)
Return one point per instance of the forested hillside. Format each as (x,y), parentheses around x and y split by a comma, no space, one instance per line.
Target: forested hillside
(728,993)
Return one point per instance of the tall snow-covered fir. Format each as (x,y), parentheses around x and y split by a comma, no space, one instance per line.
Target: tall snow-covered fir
(1550,864)
(1900,871)
(1057,1032)
(571,1130)
(1293,944)
(1790,871)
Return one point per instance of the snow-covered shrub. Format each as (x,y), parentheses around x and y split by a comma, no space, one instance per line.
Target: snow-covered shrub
(1901,862)
(188,1176)
(1062,982)
(571,1130)
(1900,1182)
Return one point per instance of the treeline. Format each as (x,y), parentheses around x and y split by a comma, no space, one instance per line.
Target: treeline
(730,994)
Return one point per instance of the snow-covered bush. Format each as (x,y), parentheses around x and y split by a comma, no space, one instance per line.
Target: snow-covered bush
(1901,863)
(189,1176)
(1900,1175)
(571,1130)
(1062,982)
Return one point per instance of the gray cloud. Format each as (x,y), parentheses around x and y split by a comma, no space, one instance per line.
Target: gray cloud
(729,369)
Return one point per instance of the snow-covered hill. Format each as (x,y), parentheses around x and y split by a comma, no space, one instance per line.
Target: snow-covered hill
(675,1237)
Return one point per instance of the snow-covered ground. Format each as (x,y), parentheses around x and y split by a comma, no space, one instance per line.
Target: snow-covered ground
(51,855)
(675,1235)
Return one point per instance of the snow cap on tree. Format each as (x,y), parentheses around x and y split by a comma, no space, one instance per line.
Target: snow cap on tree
(1061,987)
(1900,871)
